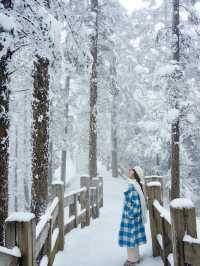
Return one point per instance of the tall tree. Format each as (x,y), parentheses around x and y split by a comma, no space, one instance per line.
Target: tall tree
(4,126)
(114,92)
(175,131)
(40,136)
(64,151)
(93,93)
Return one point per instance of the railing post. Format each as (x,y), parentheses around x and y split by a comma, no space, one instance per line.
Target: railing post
(183,217)
(85,182)
(153,190)
(47,246)
(23,224)
(58,191)
(96,200)
(166,242)
(73,210)
(101,191)
(83,207)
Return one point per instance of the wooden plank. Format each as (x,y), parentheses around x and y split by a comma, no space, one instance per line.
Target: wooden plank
(96,199)
(192,253)
(82,216)
(181,214)
(41,238)
(69,226)
(166,241)
(85,182)
(83,207)
(59,192)
(68,199)
(73,210)
(54,213)
(168,228)
(101,191)
(8,260)
(47,245)
(153,193)
(55,248)
(69,196)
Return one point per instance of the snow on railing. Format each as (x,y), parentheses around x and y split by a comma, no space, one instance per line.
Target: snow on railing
(172,228)
(49,232)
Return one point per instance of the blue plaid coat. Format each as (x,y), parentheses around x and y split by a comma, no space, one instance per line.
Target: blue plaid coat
(132,231)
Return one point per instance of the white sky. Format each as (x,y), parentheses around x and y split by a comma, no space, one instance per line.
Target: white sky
(130,5)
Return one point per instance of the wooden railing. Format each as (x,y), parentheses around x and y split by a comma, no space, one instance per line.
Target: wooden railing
(173,231)
(30,245)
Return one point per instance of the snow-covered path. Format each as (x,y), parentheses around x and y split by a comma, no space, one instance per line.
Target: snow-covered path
(96,245)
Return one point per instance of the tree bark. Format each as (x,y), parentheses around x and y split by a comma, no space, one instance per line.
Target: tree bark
(93,96)
(114,93)
(40,136)
(4,142)
(175,132)
(64,151)
(4,127)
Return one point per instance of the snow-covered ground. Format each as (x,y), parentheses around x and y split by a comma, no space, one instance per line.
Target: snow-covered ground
(97,245)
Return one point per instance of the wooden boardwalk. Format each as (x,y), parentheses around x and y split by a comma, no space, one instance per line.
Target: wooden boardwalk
(96,245)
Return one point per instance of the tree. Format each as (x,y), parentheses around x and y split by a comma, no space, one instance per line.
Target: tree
(4,125)
(114,92)
(175,131)
(93,93)
(40,136)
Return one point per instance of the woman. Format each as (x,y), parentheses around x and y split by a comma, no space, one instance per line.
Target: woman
(132,231)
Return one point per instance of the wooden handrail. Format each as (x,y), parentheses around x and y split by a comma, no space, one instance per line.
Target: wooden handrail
(168,228)
(49,233)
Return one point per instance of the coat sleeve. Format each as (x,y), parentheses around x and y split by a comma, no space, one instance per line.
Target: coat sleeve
(132,205)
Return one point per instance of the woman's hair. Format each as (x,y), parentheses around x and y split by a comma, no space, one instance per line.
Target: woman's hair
(137,178)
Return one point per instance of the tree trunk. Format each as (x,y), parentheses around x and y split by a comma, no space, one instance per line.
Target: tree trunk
(4,127)
(175,171)
(114,93)
(93,96)
(64,152)
(40,136)
(114,138)
(4,142)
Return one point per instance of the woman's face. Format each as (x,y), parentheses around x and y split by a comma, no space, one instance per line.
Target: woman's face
(131,173)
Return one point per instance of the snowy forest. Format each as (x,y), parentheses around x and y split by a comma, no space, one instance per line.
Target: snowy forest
(86,84)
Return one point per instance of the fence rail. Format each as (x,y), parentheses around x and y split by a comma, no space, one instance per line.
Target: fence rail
(173,231)
(30,245)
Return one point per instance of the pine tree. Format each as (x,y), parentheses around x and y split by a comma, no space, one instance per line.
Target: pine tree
(40,136)
(4,127)
(93,93)
(175,131)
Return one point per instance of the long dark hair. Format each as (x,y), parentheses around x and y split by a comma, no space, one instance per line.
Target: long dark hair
(138,179)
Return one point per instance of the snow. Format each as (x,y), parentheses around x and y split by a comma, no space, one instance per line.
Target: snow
(163,212)
(57,182)
(12,252)
(54,237)
(171,259)
(20,217)
(45,218)
(154,184)
(70,219)
(97,245)
(189,239)
(68,194)
(153,176)
(44,261)
(182,203)
(159,238)
(6,22)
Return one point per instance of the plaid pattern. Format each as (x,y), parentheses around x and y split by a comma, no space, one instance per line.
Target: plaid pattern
(132,231)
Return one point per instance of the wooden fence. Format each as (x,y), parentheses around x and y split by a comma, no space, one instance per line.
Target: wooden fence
(30,245)
(173,231)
